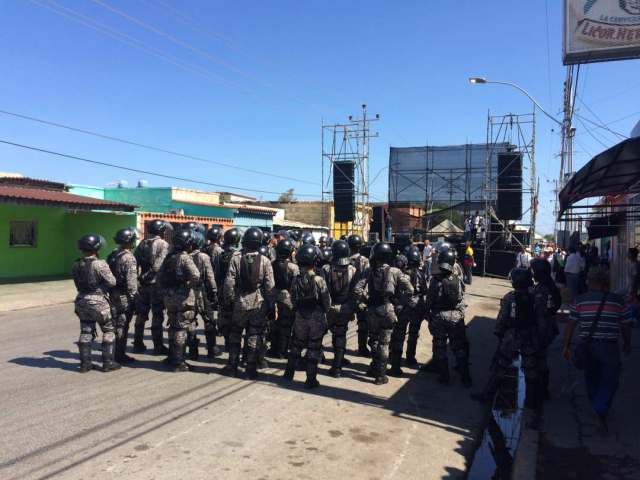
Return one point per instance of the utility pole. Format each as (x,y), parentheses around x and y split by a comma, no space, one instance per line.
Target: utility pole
(566,149)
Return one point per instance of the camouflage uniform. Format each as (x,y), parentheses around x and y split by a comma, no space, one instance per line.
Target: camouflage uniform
(123,297)
(150,254)
(410,314)
(284,272)
(340,280)
(385,284)
(311,300)
(213,250)
(447,324)
(361,264)
(93,280)
(225,310)
(547,294)
(206,293)
(178,278)
(248,286)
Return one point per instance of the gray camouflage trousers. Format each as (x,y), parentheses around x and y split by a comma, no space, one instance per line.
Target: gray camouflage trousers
(338,323)
(92,311)
(380,323)
(448,327)
(150,298)
(308,333)
(122,312)
(252,323)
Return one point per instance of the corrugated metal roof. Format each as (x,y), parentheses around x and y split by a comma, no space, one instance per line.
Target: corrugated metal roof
(251,208)
(43,196)
(26,182)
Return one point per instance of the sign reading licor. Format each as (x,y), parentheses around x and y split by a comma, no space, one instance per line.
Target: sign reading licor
(601,30)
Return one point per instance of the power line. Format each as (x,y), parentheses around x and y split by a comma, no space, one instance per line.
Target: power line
(151,147)
(546,11)
(602,126)
(145,172)
(591,133)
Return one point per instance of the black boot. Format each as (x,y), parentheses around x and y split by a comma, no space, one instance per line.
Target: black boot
(411,354)
(443,371)
(85,357)
(138,343)
(231,368)
(262,352)
(290,371)
(465,375)
(395,370)
(108,352)
(176,357)
(121,356)
(336,368)
(372,371)
(430,367)
(158,345)
(362,344)
(212,349)
(312,374)
(194,346)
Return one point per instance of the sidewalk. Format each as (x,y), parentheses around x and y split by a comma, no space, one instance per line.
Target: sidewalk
(18,296)
(570,445)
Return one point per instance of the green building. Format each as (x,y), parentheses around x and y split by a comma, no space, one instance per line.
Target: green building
(40,222)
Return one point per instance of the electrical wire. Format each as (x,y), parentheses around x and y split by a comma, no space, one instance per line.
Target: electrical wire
(602,123)
(151,147)
(591,133)
(601,126)
(546,11)
(145,172)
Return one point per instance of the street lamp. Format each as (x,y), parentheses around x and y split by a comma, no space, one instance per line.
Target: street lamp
(482,80)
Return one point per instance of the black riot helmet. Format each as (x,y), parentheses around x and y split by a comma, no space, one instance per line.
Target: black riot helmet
(158,227)
(355,243)
(413,257)
(266,238)
(195,226)
(541,269)
(307,239)
(92,242)
(126,235)
(340,252)
(232,238)
(324,256)
(330,241)
(252,239)
(184,239)
(214,234)
(284,248)
(198,240)
(264,251)
(401,262)
(294,235)
(322,241)
(521,278)
(446,260)
(306,255)
(282,234)
(382,253)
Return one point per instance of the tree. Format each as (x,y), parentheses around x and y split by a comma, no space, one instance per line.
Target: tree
(549,237)
(287,196)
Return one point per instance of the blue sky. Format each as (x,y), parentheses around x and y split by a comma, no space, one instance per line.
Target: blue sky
(248,82)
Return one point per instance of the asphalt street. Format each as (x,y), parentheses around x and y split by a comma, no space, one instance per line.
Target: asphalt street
(145,422)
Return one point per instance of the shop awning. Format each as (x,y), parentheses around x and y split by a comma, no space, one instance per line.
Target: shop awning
(612,172)
(606,226)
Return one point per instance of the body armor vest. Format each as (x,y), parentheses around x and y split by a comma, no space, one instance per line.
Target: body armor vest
(339,284)
(378,294)
(281,274)
(521,311)
(146,261)
(223,263)
(88,281)
(448,295)
(308,300)
(249,273)
(170,277)
(118,273)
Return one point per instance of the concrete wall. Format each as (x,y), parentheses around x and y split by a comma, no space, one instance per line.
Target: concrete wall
(187,195)
(245,220)
(306,212)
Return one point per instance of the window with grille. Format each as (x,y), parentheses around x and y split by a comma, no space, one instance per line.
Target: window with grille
(22,233)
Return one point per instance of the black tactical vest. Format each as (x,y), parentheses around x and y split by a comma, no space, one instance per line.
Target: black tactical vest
(339,284)
(281,274)
(308,294)
(86,278)
(378,293)
(169,277)
(223,265)
(121,276)
(249,273)
(145,260)
(448,293)
(522,311)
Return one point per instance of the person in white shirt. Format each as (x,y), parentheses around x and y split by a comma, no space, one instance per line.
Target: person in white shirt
(427,257)
(573,267)
(523,259)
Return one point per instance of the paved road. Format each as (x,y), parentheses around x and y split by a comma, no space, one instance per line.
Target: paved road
(147,423)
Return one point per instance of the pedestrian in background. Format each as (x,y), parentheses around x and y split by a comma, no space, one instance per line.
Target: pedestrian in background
(427,257)
(573,268)
(601,317)
(468,262)
(523,259)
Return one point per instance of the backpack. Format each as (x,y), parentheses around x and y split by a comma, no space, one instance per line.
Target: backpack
(249,273)
(450,293)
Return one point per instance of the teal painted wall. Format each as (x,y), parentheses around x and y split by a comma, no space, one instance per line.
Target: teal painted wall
(87,191)
(57,232)
(204,210)
(147,199)
(246,220)
(47,257)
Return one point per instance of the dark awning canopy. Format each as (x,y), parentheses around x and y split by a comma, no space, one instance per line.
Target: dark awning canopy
(613,172)
(606,226)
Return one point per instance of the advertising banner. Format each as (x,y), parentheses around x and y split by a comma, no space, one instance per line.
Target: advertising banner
(601,30)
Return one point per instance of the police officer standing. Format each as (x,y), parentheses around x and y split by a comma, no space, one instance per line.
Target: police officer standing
(248,285)
(213,248)
(446,301)
(547,293)
(418,305)
(178,277)
(340,277)
(150,254)
(284,273)
(124,267)
(220,269)
(311,300)
(361,264)
(385,284)
(94,280)
(206,300)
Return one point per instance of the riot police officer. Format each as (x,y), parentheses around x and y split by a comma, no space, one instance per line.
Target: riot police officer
(418,309)
(385,284)
(150,254)
(361,263)
(213,248)
(124,267)
(94,280)
(446,301)
(206,292)
(248,285)
(284,271)
(307,239)
(311,300)
(220,269)
(547,294)
(178,278)
(340,277)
